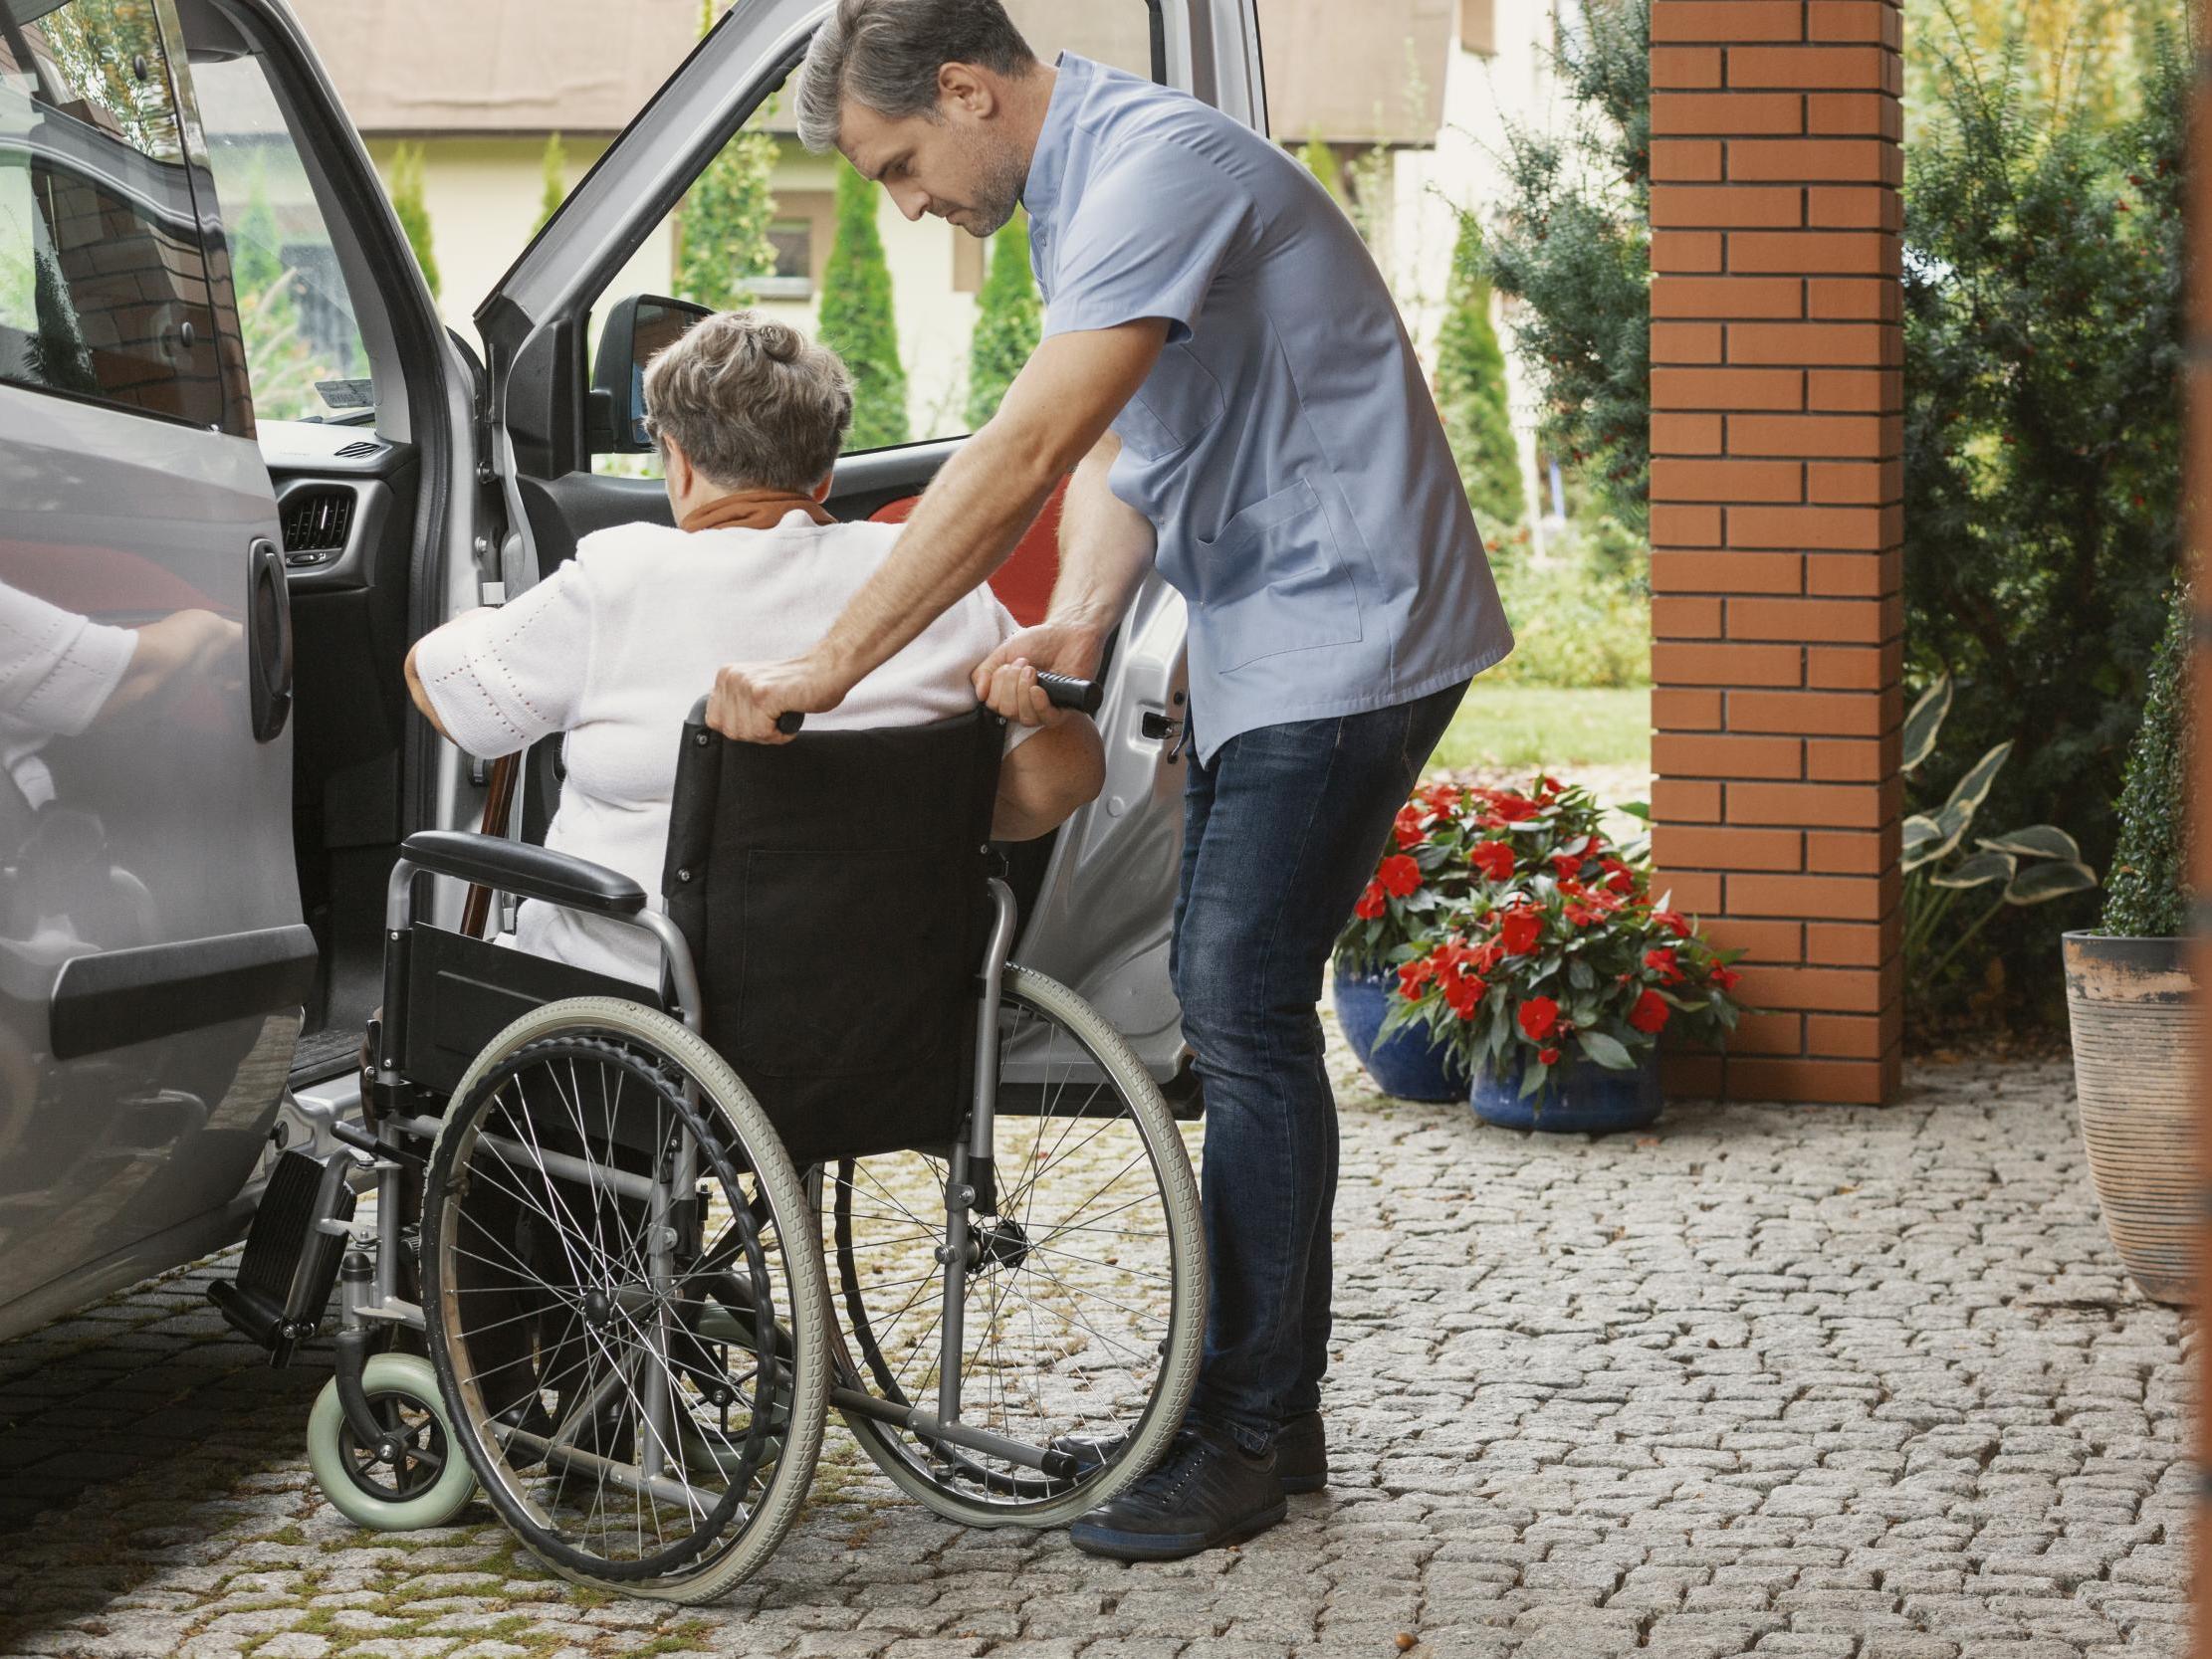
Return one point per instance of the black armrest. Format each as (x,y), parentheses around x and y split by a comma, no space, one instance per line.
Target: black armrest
(527,871)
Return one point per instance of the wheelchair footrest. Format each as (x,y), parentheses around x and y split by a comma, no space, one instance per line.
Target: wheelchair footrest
(289,1262)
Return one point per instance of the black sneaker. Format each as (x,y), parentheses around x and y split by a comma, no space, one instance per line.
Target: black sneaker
(1206,1492)
(1301,1453)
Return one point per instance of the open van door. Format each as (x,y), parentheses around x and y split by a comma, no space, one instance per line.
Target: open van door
(1098,896)
(152,956)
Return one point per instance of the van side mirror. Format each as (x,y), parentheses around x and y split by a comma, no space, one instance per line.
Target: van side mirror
(637,328)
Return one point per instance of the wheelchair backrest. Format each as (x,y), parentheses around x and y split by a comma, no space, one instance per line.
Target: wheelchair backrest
(832,892)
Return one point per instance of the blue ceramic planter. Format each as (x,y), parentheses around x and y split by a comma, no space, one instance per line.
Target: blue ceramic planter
(1402,1064)
(1579,1098)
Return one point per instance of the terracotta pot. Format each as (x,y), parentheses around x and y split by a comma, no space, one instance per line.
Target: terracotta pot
(2131,1005)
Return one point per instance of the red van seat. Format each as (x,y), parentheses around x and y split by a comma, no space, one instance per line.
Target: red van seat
(1025,582)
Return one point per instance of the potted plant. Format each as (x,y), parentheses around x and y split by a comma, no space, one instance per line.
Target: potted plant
(1423,873)
(2130,1000)
(1555,979)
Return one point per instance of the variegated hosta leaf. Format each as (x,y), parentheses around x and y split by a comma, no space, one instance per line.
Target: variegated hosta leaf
(1939,839)
(1979,870)
(2039,883)
(1972,789)
(2036,841)
(1925,720)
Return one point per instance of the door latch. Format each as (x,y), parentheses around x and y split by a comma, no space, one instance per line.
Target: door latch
(1157,726)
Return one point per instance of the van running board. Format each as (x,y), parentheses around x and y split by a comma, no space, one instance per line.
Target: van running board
(289,1262)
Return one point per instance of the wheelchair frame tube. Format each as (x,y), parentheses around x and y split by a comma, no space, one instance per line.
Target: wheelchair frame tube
(958,1193)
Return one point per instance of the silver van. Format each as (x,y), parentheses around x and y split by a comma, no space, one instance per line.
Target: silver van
(211,568)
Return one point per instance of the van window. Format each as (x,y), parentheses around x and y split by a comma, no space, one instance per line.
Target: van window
(104,281)
(304,352)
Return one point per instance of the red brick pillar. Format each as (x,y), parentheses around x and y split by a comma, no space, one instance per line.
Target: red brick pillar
(1777,478)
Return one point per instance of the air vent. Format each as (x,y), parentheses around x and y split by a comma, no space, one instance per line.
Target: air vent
(316,521)
(359,449)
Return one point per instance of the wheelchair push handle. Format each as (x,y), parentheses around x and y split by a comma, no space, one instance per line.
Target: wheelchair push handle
(1062,690)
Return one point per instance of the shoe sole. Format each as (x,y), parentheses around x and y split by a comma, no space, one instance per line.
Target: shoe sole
(1148,1547)
(1306,1483)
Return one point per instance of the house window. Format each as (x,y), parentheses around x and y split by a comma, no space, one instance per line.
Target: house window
(1478,27)
(794,276)
(968,262)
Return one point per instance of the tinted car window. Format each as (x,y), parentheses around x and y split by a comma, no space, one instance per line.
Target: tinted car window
(104,281)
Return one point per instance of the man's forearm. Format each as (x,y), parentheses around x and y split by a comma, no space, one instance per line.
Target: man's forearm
(968,523)
(1106,546)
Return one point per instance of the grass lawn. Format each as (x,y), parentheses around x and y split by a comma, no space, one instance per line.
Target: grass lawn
(1546,725)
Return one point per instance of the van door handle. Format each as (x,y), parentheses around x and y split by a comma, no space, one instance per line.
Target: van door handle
(268,641)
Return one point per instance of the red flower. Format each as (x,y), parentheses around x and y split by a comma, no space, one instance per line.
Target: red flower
(1547,1057)
(1399,875)
(1463,992)
(1537,1016)
(1370,903)
(1672,923)
(1511,807)
(1519,930)
(1410,826)
(1664,964)
(1724,978)
(1618,877)
(1566,866)
(1494,858)
(1415,974)
(1582,916)
(1651,1013)
(1441,798)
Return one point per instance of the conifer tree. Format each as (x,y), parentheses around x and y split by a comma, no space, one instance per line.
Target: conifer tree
(1470,387)
(723,233)
(1007,322)
(414,218)
(554,166)
(1321,162)
(857,320)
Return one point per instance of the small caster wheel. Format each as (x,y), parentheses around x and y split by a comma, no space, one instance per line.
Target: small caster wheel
(430,1482)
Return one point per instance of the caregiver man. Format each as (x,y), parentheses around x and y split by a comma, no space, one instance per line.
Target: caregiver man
(1226,374)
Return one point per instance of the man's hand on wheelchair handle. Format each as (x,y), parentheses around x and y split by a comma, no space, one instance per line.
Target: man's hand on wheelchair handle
(748,697)
(1007,679)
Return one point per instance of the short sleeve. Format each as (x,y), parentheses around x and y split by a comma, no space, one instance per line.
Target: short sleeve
(505,677)
(1150,235)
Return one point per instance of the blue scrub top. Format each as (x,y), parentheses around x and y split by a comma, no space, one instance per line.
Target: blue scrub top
(1286,447)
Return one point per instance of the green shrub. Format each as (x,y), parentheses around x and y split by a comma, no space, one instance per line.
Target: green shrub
(1007,322)
(1470,387)
(856,318)
(405,185)
(2147,895)
(2043,293)
(1575,622)
(1320,161)
(553,189)
(1573,244)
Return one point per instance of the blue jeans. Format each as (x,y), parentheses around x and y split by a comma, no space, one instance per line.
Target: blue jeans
(1279,835)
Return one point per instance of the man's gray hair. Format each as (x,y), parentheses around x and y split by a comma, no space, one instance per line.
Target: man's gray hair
(751,401)
(885,54)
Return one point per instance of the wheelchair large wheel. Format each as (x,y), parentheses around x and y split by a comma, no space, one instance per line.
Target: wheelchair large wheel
(626,1302)
(1081,1299)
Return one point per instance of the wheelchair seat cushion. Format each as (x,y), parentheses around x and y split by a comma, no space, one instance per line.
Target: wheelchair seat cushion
(832,891)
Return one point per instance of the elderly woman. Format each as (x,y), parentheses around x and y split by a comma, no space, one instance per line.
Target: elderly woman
(614,647)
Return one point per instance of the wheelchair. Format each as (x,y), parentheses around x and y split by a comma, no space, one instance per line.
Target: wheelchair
(629,1250)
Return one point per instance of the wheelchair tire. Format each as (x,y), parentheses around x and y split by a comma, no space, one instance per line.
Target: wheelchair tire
(406,1382)
(608,1335)
(875,1355)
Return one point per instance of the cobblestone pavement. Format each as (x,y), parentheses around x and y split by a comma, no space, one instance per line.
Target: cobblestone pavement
(1858,1384)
